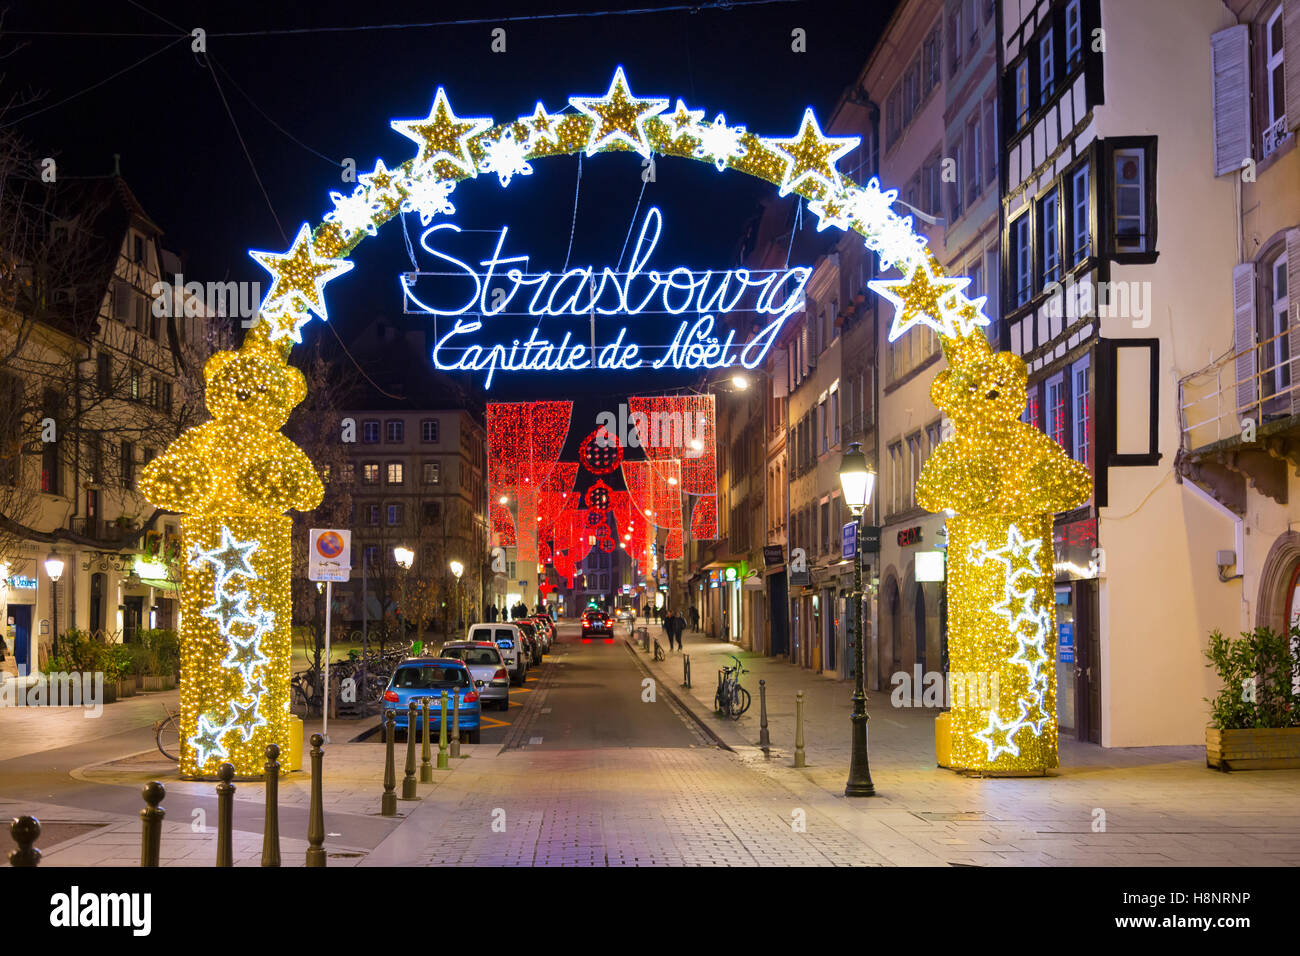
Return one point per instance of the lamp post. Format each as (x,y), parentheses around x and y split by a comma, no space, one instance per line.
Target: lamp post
(404,557)
(54,568)
(458,569)
(857,481)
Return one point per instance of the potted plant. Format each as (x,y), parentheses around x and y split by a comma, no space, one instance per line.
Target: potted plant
(1255,719)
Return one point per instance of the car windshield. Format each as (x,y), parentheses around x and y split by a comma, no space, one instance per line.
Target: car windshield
(430,676)
(473,655)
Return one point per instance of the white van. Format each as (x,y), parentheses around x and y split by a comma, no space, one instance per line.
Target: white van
(511,644)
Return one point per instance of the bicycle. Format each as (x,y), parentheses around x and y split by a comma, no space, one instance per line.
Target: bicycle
(167,735)
(659,651)
(731,700)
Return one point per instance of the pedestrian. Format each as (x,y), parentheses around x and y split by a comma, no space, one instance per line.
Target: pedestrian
(679,625)
(695,618)
(668,627)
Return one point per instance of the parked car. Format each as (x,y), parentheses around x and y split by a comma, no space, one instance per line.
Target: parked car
(486,666)
(596,624)
(510,640)
(529,630)
(547,629)
(625,615)
(420,677)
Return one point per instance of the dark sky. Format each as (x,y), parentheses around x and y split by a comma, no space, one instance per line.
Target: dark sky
(335,92)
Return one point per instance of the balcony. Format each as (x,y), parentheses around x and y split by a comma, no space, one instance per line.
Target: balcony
(1240,423)
(1273,137)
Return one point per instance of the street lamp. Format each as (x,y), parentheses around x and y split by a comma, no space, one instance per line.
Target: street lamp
(458,569)
(404,557)
(857,481)
(54,568)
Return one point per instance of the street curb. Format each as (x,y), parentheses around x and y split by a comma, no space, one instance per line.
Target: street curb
(686,708)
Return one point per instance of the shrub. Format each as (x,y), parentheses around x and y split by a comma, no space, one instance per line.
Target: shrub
(163,649)
(1258,672)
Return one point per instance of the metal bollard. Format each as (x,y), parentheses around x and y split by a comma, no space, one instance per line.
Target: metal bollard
(426,767)
(316,816)
(798,730)
(442,735)
(388,805)
(271,827)
(764,738)
(408,781)
(686,670)
(455,727)
(151,818)
(225,814)
(26,831)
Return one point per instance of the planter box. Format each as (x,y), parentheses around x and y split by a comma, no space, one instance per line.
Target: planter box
(158,683)
(125,687)
(110,692)
(1257,748)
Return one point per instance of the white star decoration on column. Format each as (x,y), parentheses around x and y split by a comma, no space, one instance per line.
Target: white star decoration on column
(229,610)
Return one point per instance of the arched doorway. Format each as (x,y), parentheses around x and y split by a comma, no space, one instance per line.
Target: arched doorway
(895,630)
(918,611)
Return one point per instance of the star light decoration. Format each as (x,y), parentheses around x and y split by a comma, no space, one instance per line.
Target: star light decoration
(298,284)
(921,297)
(720,143)
(507,157)
(232,558)
(443,136)
(810,154)
(542,127)
(428,197)
(618,117)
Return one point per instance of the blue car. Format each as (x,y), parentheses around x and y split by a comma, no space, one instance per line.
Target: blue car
(422,677)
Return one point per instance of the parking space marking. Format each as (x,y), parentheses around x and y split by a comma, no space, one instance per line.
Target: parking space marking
(492,722)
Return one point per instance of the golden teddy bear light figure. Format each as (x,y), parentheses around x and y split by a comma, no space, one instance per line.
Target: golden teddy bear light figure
(232,479)
(1003,481)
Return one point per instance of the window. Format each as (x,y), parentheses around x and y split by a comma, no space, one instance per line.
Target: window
(104,373)
(972,23)
(370,473)
(1073,35)
(394,473)
(893,114)
(1021,280)
(1022,94)
(1080,227)
(1049,211)
(370,431)
(138,250)
(1130,222)
(433,512)
(824,445)
(973,169)
(128,464)
(349,472)
(835,415)
(432,473)
(394,430)
(370,554)
(1081,388)
(1275,362)
(1056,411)
(955,45)
(930,62)
(826,526)
(956,194)
(990,139)
(912,91)
(395,510)
(136,384)
(896,476)
(429,430)
(916,458)
(372,515)
(1046,69)
(166,395)
(975,272)
(1273,66)
(933,435)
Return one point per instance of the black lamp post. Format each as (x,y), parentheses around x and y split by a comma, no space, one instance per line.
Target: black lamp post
(857,481)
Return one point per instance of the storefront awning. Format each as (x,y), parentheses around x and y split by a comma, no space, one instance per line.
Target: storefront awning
(160,585)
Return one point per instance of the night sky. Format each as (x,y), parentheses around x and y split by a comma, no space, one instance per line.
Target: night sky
(334,92)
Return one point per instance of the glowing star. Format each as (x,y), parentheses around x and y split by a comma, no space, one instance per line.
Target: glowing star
(968,315)
(1019,555)
(208,741)
(244,716)
(253,687)
(383,185)
(720,142)
(1032,715)
(618,117)
(229,558)
(683,120)
(507,157)
(429,197)
(354,213)
(832,211)
(810,154)
(227,609)
(444,136)
(300,277)
(1016,606)
(542,127)
(1030,653)
(919,298)
(245,656)
(998,736)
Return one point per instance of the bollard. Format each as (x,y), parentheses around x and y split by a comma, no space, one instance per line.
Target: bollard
(225,814)
(151,818)
(455,727)
(798,730)
(316,816)
(271,827)
(442,735)
(686,670)
(408,781)
(426,767)
(388,805)
(25,831)
(764,738)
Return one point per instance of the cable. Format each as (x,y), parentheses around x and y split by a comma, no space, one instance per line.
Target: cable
(574,224)
(93,86)
(631,225)
(266,116)
(357,365)
(224,102)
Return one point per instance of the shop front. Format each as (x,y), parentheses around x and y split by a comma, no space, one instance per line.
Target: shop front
(19,614)
(1078,637)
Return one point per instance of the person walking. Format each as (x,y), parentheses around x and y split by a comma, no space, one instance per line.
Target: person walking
(679,625)
(668,627)
(695,618)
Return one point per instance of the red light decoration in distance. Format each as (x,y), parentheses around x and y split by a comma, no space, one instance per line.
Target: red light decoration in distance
(598,496)
(682,428)
(600,452)
(524,444)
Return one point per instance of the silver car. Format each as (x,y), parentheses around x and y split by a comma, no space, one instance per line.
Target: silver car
(487,668)
(511,644)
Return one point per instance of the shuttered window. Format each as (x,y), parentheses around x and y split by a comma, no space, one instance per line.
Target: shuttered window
(1230,66)
(1243,334)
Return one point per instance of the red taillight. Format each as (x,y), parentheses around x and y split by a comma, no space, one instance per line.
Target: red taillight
(500,674)
(471,697)
(390,696)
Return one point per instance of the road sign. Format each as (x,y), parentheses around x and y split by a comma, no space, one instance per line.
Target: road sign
(849,540)
(329,554)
